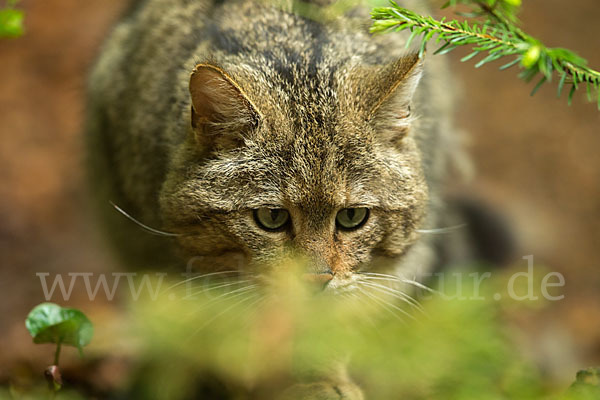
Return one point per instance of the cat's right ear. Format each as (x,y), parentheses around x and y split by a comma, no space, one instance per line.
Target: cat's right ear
(382,94)
(221,111)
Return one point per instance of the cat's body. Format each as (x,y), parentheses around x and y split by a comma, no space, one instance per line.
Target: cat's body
(325,134)
(213,120)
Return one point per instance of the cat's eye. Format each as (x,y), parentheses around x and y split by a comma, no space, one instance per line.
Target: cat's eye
(271,219)
(351,218)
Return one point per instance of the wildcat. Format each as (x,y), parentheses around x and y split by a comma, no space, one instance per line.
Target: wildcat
(249,132)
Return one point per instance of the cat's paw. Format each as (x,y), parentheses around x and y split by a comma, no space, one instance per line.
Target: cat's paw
(323,391)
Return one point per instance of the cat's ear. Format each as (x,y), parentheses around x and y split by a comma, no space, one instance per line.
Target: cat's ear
(391,89)
(221,111)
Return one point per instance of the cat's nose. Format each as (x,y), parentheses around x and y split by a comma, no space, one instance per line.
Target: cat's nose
(319,280)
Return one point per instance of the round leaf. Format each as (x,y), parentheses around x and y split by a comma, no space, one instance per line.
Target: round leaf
(50,323)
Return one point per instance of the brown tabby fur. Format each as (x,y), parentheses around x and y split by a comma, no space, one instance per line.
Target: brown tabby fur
(325,127)
(200,112)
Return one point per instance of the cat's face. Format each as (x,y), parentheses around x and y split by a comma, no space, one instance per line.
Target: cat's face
(327,176)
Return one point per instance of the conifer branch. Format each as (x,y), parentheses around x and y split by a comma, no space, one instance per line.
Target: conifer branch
(491,30)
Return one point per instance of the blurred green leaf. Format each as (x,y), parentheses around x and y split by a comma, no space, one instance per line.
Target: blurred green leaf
(442,349)
(11,23)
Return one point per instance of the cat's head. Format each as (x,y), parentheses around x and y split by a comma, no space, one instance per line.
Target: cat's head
(321,165)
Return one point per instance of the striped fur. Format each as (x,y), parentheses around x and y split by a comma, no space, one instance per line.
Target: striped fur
(336,126)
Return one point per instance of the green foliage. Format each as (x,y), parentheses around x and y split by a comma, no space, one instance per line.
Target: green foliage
(490,29)
(11,21)
(266,339)
(253,341)
(587,386)
(50,323)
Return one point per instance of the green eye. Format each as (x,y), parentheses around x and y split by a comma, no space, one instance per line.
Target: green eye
(351,218)
(271,219)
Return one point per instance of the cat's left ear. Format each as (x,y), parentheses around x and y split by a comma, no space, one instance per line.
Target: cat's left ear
(392,88)
(221,110)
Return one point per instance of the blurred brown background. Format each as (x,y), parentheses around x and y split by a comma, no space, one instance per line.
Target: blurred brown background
(536,161)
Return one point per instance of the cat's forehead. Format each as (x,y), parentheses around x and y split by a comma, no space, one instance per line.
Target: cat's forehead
(304,94)
(311,170)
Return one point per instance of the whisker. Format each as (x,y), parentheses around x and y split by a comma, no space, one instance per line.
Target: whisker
(143,226)
(386,304)
(225,295)
(353,297)
(260,300)
(441,231)
(421,286)
(396,293)
(210,288)
(380,278)
(214,317)
(248,322)
(193,278)
(411,282)
(380,302)
(394,277)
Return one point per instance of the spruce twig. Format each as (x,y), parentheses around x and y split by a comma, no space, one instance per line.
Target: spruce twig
(491,30)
